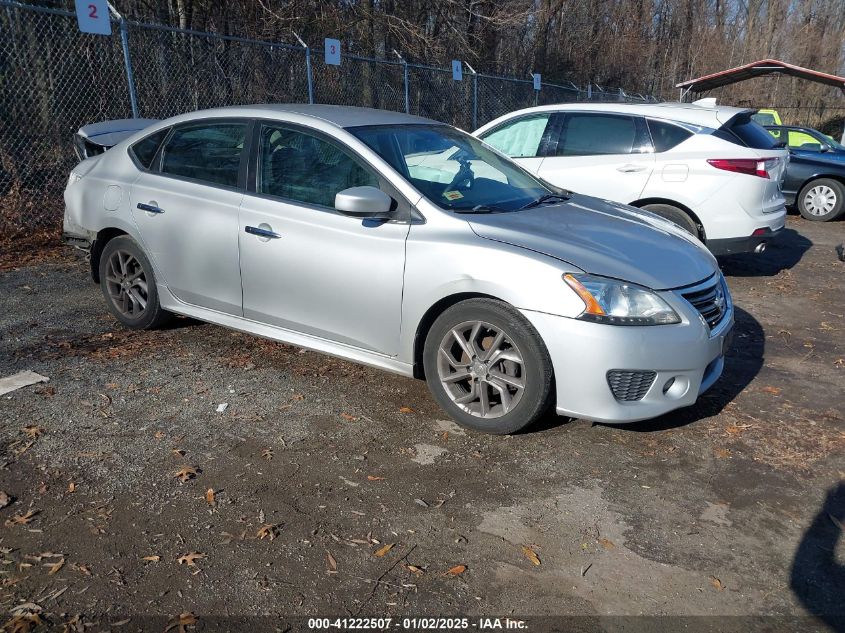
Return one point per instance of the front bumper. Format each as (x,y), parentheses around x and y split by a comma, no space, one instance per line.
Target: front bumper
(583,353)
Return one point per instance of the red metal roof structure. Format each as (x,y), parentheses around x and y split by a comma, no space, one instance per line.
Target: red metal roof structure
(758,69)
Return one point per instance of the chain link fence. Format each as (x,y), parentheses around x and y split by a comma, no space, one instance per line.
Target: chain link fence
(55,79)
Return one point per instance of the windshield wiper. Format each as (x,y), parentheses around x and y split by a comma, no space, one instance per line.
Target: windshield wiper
(480,208)
(549,197)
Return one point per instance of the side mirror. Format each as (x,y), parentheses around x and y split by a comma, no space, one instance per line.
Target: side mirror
(364,202)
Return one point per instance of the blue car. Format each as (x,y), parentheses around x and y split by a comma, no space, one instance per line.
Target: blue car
(815,176)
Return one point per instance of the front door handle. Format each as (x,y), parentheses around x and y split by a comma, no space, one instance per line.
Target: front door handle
(262,232)
(150,208)
(630,168)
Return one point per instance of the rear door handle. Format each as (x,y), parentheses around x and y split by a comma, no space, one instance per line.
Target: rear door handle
(257,230)
(150,208)
(630,167)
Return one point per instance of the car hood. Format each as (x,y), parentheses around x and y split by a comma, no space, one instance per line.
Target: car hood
(604,238)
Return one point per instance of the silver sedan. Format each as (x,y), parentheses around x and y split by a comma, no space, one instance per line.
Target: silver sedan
(405,244)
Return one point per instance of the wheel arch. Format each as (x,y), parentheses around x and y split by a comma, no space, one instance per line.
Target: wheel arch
(104,236)
(430,316)
(702,233)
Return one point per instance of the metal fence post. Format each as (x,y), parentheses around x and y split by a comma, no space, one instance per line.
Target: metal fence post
(309,77)
(127,61)
(405,77)
(474,96)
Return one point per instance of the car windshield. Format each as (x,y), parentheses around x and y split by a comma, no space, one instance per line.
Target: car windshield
(454,170)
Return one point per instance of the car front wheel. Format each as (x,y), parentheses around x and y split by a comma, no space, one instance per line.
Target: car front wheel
(128,285)
(822,200)
(487,366)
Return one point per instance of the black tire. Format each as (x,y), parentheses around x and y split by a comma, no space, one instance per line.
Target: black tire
(806,206)
(125,304)
(535,371)
(674,215)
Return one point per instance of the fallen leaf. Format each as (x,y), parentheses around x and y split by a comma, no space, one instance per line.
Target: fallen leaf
(405,410)
(179,452)
(717,584)
(267,454)
(379,553)
(71,487)
(152,559)
(267,531)
(531,555)
(158,435)
(419,571)
(56,567)
(32,431)
(331,561)
(350,418)
(722,453)
(190,559)
(186,473)
(5,499)
(209,497)
(606,543)
(182,621)
(21,519)
(457,570)
(772,390)
(375,478)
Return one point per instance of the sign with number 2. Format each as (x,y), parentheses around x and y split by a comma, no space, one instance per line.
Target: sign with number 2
(93,16)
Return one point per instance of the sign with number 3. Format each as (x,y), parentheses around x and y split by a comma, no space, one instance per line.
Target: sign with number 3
(93,16)
(332,52)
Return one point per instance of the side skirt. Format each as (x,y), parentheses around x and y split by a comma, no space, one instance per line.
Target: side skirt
(347,352)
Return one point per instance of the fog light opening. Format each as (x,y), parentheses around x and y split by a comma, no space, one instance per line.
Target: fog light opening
(676,387)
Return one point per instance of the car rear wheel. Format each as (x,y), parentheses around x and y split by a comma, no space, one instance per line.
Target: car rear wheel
(487,367)
(822,200)
(128,284)
(674,215)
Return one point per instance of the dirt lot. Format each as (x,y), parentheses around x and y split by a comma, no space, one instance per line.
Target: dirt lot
(328,489)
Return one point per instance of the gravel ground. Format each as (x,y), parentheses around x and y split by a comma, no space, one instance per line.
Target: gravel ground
(328,489)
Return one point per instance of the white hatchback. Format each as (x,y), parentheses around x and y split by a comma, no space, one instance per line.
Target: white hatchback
(710,169)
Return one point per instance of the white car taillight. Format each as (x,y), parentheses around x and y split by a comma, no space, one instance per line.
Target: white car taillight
(749,166)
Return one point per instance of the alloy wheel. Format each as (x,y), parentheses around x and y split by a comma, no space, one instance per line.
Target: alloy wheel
(126,283)
(481,369)
(820,200)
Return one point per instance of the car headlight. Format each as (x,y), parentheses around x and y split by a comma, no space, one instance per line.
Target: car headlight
(620,303)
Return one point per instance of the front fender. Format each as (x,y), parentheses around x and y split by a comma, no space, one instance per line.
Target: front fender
(522,278)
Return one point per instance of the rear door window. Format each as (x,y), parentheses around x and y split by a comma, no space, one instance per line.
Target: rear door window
(743,130)
(665,135)
(210,153)
(587,134)
(144,151)
(522,138)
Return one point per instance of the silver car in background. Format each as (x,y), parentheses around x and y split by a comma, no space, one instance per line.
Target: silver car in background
(404,244)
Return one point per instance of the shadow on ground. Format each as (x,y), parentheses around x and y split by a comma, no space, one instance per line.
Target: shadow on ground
(817,578)
(782,253)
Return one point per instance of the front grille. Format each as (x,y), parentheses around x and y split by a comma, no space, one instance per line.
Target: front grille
(710,301)
(630,386)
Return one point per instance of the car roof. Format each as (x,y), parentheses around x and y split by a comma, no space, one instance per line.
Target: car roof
(336,115)
(690,113)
